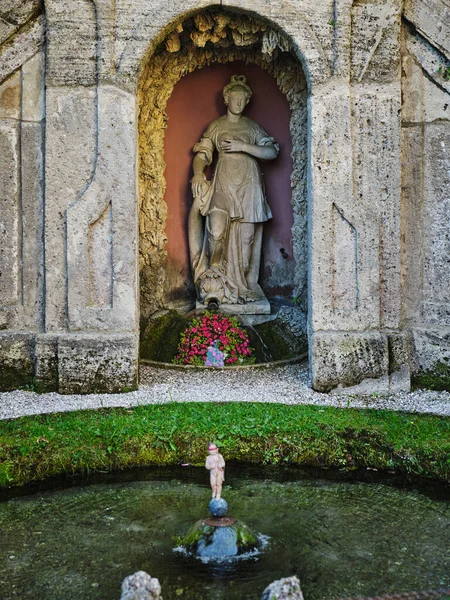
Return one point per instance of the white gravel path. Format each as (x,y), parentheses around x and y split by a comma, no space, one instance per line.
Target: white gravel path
(285,385)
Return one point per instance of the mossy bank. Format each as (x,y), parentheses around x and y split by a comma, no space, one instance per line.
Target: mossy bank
(33,448)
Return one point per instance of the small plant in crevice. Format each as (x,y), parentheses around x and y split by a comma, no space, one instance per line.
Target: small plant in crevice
(444,72)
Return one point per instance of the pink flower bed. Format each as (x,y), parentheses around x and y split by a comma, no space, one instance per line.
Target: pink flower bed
(210,328)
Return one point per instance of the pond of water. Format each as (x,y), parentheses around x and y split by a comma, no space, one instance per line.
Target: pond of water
(342,538)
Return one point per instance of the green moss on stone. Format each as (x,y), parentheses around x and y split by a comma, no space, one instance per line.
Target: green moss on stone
(437,379)
(197,533)
(246,539)
(12,378)
(161,336)
(273,341)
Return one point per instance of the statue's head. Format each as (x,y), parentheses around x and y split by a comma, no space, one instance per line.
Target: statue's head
(213,449)
(238,87)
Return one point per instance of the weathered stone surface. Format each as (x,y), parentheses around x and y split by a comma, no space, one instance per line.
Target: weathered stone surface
(10,91)
(355,217)
(18,12)
(355,259)
(287,588)
(296,19)
(110,194)
(411,213)
(95,362)
(431,349)
(6,29)
(71,129)
(72,43)
(330,175)
(346,359)
(432,19)
(130,30)
(21,180)
(259,307)
(432,61)
(423,100)
(399,363)
(436,219)
(101,260)
(31,315)
(21,47)
(426,211)
(141,586)
(375,40)
(33,88)
(10,230)
(46,363)
(16,360)
(376,130)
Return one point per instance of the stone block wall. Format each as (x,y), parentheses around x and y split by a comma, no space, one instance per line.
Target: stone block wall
(426,190)
(68,283)
(22,113)
(377,74)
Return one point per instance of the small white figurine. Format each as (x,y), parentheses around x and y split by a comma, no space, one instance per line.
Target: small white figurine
(216,467)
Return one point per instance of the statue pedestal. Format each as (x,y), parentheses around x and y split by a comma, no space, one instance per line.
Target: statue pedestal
(259,307)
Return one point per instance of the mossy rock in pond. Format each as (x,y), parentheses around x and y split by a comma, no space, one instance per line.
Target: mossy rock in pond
(207,541)
(160,336)
(274,340)
(437,379)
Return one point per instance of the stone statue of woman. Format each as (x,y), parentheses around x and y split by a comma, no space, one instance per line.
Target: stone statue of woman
(225,247)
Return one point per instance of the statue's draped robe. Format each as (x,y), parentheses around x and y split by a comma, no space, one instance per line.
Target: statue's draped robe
(237,188)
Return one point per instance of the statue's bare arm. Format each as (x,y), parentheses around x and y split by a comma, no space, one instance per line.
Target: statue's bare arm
(267,152)
(200,185)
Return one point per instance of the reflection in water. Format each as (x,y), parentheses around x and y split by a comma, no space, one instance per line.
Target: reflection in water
(340,538)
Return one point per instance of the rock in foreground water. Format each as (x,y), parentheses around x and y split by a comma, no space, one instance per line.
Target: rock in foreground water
(141,586)
(287,588)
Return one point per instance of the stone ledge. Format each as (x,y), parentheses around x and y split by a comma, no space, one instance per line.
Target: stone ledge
(69,363)
(360,363)
(97,363)
(16,360)
(259,307)
(347,359)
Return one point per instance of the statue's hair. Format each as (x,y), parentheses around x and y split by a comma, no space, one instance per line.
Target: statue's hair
(237,82)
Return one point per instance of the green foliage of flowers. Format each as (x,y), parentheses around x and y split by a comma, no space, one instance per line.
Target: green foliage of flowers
(214,328)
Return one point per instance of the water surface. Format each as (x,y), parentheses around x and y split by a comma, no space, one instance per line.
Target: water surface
(342,538)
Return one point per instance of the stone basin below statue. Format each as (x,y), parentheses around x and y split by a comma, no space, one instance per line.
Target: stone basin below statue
(221,538)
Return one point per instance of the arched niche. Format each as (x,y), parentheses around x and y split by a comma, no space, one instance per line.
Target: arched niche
(201,47)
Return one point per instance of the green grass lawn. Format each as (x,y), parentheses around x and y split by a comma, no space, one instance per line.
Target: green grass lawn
(32,448)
